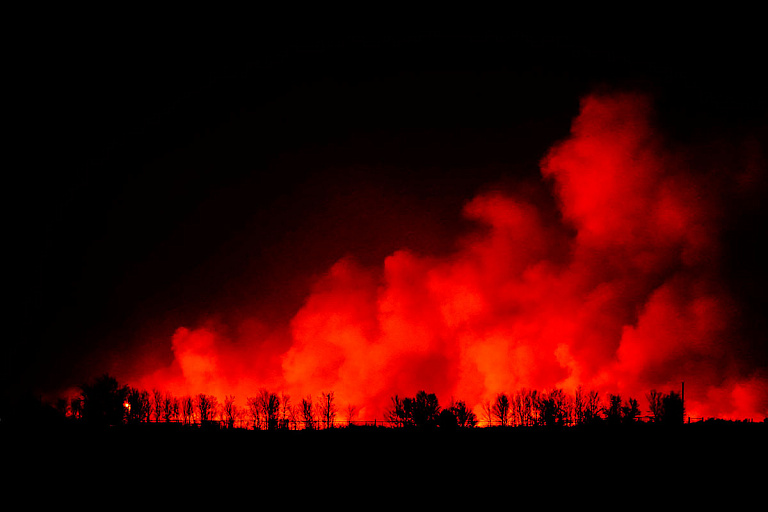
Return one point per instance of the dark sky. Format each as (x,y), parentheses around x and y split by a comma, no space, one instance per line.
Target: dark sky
(172,176)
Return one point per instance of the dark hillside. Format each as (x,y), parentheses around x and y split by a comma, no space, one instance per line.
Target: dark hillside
(558,466)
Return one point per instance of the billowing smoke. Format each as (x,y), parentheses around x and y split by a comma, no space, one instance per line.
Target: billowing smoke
(620,290)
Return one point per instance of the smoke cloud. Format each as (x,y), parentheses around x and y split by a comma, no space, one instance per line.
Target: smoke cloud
(620,290)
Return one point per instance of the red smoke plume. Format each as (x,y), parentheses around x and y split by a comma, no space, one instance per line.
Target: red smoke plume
(620,292)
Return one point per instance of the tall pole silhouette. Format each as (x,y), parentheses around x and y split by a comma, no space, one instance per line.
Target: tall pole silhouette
(682,399)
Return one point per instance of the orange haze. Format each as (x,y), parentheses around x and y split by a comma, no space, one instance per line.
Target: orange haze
(620,292)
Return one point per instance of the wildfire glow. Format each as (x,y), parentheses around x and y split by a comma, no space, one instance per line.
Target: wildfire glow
(621,293)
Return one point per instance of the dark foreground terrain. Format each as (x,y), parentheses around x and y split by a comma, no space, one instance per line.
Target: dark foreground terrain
(640,466)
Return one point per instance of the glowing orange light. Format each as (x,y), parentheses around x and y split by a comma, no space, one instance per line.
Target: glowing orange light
(619,293)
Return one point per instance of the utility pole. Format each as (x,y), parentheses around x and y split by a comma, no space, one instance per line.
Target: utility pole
(682,399)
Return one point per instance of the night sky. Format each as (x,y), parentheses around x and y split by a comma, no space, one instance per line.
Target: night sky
(168,179)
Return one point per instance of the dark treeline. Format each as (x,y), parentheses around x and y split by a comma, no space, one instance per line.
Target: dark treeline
(528,438)
(440,450)
(105,402)
(532,408)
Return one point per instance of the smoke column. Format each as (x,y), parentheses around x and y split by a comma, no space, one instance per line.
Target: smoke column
(620,290)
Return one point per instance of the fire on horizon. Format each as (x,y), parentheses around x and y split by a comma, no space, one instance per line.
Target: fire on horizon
(619,291)
(289,251)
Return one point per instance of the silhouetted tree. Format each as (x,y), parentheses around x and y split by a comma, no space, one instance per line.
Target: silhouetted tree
(286,410)
(158,403)
(525,407)
(308,413)
(501,409)
(656,404)
(206,407)
(270,408)
(293,413)
(327,409)
(553,408)
(102,401)
(395,415)
(592,407)
(139,405)
(673,409)
(187,409)
(408,412)
(170,407)
(464,416)
(630,411)
(564,403)
(424,409)
(613,410)
(421,411)
(579,406)
(254,408)
(517,408)
(446,420)
(229,411)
